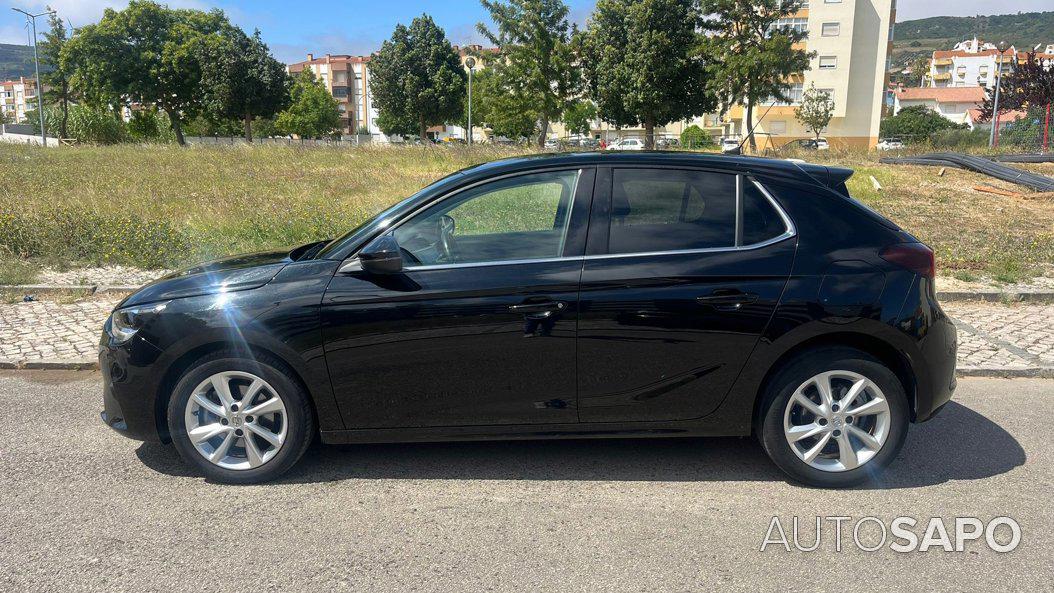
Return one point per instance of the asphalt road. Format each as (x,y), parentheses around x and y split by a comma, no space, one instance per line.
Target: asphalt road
(84,509)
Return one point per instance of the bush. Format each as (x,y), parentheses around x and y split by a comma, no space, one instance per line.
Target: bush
(85,124)
(695,137)
(960,139)
(149,125)
(916,123)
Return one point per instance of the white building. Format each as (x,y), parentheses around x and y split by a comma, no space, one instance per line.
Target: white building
(969,63)
(16,98)
(952,103)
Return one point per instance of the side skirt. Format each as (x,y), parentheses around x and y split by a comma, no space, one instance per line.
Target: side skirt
(527,432)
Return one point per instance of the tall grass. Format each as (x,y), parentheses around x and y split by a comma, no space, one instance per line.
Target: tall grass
(159,206)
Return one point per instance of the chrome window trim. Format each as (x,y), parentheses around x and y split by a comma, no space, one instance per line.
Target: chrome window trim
(791,231)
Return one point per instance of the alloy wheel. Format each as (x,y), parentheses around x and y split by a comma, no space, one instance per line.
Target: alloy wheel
(837,421)
(236,420)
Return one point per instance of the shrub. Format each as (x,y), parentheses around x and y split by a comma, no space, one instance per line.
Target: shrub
(916,123)
(149,125)
(695,137)
(960,139)
(86,124)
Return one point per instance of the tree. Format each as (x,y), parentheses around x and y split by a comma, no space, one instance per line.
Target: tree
(147,54)
(312,112)
(496,107)
(920,66)
(640,66)
(536,60)
(695,137)
(815,110)
(417,78)
(241,79)
(57,76)
(916,123)
(751,59)
(579,116)
(1028,85)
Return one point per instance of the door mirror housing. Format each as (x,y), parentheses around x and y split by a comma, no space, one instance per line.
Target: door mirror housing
(382,256)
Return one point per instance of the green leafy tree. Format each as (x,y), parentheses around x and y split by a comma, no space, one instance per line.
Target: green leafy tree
(147,54)
(312,112)
(916,123)
(640,64)
(241,79)
(815,111)
(536,60)
(579,117)
(751,60)
(496,107)
(417,79)
(695,137)
(1029,84)
(57,75)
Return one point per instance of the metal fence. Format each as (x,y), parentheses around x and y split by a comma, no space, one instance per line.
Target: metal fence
(357,140)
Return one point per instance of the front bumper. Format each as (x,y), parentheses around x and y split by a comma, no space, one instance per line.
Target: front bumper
(130,388)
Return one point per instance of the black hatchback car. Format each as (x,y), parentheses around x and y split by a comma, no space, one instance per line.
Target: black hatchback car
(577,295)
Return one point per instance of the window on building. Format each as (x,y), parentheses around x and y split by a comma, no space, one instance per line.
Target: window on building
(828,62)
(778,127)
(832,1)
(664,210)
(794,93)
(340,92)
(830,29)
(798,24)
(830,93)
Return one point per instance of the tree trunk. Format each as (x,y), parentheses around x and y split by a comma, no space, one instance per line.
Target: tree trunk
(248,128)
(750,126)
(177,126)
(649,132)
(65,112)
(424,131)
(543,126)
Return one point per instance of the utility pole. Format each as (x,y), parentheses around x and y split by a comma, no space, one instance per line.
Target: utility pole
(32,18)
(995,102)
(470,63)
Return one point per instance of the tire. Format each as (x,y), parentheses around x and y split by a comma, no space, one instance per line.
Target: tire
(290,421)
(832,467)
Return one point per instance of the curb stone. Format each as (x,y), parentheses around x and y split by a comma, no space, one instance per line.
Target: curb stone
(992,296)
(66,288)
(89,364)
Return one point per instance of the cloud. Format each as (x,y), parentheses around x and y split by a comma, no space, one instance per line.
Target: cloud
(13,35)
(83,12)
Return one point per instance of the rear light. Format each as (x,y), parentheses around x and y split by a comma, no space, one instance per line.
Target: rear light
(912,256)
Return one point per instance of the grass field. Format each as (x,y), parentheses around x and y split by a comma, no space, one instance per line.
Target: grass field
(161,206)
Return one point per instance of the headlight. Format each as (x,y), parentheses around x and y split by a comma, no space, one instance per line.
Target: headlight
(124,323)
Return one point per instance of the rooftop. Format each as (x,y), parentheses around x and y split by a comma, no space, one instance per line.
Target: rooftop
(968,94)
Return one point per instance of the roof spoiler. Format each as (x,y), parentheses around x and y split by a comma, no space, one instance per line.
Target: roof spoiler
(832,177)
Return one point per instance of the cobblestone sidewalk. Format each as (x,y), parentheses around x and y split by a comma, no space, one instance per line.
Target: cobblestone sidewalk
(994,339)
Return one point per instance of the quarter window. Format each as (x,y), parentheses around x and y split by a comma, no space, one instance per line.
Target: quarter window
(761,221)
(517,218)
(670,210)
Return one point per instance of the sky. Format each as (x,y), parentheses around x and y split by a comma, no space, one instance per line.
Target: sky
(294,28)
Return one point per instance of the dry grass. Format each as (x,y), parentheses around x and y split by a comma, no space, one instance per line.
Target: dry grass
(161,206)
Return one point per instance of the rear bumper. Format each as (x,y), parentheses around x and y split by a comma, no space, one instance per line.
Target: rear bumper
(934,362)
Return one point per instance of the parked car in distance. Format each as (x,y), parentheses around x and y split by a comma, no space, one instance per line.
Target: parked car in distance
(731,145)
(889,144)
(627,144)
(821,144)
(574,295)
(800,144)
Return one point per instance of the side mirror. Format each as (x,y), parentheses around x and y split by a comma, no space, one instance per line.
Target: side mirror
(382,256)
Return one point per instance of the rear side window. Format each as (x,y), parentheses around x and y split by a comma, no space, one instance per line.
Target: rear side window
(671,210)
(761,221)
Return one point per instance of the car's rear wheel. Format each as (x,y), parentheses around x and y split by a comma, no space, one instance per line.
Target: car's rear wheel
(239,420)
(834,417)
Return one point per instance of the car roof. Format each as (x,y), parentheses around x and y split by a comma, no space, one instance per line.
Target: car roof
(769,167)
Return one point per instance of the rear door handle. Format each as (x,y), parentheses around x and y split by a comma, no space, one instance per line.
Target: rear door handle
(539,310)
(727,300)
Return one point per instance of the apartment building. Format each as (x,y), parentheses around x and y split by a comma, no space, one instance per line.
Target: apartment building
(970,63)
(16,98)
(852,40)
(347,79)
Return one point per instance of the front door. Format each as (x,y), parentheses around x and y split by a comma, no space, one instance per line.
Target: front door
(683,271)
(480,327)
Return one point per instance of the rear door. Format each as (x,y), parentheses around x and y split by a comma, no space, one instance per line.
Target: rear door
(683,271)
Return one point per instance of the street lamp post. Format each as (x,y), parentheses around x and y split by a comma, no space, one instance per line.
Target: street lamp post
(470,63)
(995,101)
(32,18)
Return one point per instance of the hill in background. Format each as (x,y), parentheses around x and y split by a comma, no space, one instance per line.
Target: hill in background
(920,37)
(15,61)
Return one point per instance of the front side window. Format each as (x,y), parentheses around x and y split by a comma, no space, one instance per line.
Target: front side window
(517,218)
(671,210)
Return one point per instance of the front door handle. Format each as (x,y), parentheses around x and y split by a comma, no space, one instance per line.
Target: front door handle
(538,310)
(727,300)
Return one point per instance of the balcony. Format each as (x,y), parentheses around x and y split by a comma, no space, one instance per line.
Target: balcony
(943,76)
(942,62)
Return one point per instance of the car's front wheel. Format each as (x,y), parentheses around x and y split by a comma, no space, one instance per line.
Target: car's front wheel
(239,420)
(834,417)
